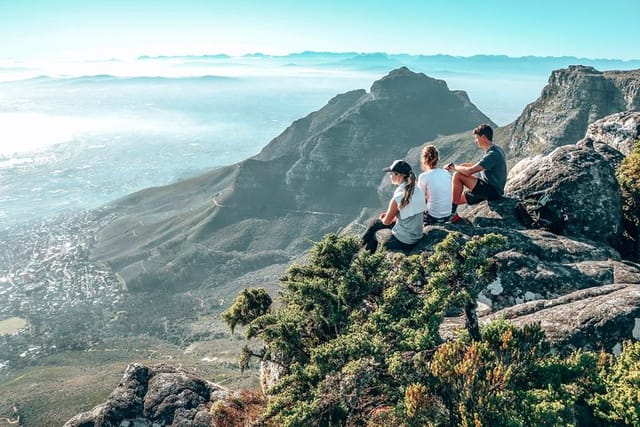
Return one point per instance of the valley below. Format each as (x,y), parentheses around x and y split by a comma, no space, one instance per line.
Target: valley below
(71,327)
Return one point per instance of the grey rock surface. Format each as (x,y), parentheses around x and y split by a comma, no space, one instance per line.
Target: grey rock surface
(574,98)
(537,264)
(158,395)
(579,180)
(619,131)
(594,318)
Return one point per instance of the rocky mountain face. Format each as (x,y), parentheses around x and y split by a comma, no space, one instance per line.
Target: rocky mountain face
(319,174)
(312,179)
(573,98)
(574,284)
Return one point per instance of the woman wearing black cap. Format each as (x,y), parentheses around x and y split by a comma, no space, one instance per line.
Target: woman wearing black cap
(404,214)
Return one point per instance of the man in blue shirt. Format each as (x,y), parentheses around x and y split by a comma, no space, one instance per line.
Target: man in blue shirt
(491,172)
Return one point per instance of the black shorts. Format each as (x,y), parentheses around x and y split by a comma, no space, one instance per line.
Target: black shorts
(481,191)
(394,245)
(430,220)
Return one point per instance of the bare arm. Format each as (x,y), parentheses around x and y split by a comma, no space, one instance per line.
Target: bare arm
(391,214)
(467,170)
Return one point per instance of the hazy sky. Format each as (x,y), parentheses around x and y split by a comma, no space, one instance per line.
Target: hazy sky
(98,29)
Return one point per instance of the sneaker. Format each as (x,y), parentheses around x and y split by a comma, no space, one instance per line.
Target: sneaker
(455,218)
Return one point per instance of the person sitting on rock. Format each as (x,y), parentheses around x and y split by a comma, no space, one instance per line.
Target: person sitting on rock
(403,216)
(436,184)
(491,170)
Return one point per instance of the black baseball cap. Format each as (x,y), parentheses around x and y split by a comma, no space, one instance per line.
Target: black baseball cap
(399,166)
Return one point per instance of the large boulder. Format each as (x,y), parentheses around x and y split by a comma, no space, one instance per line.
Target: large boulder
(613,136)
(159,395)
(578,180)
(593,319)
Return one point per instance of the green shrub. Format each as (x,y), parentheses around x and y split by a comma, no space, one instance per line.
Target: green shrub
(628,174)
(358,336)
(619,402)
(249,305)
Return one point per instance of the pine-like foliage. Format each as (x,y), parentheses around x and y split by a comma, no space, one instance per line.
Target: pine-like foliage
(628,174)
(619,400)
(358,338)
(249,305)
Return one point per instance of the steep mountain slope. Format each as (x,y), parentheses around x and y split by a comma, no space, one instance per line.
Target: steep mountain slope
(313,178)
(574,98)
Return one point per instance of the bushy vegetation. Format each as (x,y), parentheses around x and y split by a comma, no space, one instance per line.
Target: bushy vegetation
(238,410)
(628,175)
(358,339)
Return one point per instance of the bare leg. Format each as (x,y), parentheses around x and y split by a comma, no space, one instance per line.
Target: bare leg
(459,182)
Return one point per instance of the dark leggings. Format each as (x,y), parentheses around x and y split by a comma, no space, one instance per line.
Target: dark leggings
(370,241)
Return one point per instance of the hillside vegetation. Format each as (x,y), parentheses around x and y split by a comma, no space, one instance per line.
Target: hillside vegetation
(628,174)
(357,341)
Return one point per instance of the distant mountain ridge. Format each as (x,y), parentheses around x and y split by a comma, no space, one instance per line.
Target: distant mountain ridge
(381,60)
(108,78)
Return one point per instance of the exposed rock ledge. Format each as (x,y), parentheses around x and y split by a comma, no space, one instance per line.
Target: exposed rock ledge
(593,319)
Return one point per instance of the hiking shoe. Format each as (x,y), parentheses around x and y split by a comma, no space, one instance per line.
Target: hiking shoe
(455,218)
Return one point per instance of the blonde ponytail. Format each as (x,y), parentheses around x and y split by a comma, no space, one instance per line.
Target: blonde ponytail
(430,157)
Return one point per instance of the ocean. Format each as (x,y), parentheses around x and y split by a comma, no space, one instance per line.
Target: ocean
(80,143)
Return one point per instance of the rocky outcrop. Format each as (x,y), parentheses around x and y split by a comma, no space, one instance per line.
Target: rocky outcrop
(619,131)
(593,319)
(575,285)
(578,180)
(158,395)
(573,98)
(536,264)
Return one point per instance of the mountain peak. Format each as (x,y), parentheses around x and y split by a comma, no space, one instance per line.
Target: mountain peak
(583,69)
(404,82)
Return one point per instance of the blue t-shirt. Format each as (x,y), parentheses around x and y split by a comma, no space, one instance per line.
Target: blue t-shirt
(494,164)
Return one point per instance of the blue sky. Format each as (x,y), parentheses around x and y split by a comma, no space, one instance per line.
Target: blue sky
(70,29)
